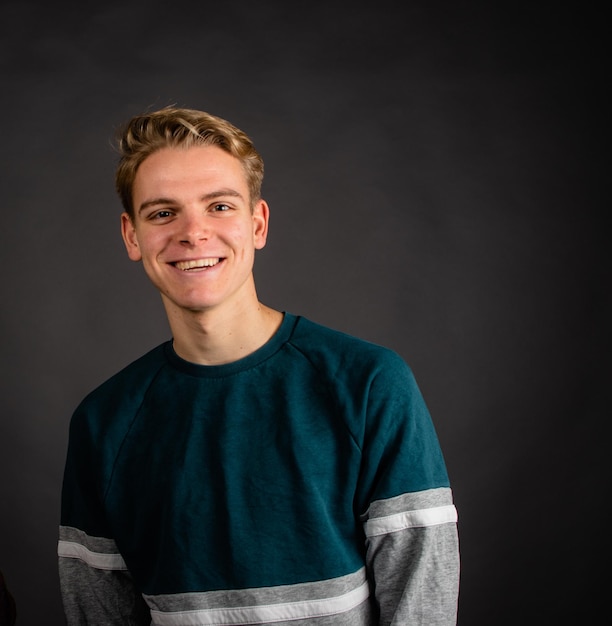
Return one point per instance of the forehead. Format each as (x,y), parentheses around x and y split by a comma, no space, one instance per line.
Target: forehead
(186,169)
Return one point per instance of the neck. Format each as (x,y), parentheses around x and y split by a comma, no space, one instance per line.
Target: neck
(216,337)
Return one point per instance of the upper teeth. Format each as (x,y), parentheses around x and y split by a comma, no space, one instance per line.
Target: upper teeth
(188,265)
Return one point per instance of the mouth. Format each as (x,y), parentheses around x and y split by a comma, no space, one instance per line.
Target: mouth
(197,264)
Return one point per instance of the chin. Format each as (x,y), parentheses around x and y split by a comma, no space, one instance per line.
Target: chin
(191,305)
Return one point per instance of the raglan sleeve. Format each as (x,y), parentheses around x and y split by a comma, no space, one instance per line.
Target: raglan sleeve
(95,583)
(408,514)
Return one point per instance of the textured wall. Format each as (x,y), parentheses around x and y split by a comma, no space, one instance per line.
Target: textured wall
(434,174)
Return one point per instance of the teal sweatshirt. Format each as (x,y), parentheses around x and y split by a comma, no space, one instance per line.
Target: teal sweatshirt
(303,484)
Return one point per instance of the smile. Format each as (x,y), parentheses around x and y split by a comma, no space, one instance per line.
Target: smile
(196,264)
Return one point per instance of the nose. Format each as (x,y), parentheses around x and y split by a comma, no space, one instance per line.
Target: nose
(194,229)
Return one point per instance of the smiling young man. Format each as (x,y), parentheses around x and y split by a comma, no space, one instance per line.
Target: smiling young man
(257,468)
(195,227)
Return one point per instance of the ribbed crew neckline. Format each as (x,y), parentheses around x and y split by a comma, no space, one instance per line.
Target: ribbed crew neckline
(272,346)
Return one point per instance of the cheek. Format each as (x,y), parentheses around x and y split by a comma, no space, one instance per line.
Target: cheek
(153,243)
(238,235)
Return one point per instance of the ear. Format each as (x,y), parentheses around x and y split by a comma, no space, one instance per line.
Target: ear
(128,233)
(261,218)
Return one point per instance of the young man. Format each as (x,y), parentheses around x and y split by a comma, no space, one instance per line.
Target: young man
(257,468)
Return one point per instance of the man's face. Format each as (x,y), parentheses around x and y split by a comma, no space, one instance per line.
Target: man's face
(194,229)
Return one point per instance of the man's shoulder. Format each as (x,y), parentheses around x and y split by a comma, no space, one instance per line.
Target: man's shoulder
(355,369)
(124,390)
(341,350)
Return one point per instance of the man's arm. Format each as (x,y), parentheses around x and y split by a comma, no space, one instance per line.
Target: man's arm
(95,584)
(410,521)
(413,558)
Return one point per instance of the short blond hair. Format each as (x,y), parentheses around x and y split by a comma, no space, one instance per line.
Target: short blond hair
(173,127)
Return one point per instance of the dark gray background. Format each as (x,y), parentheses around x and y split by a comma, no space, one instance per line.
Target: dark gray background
(435,175)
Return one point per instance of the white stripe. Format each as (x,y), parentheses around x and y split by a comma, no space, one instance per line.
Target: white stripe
(264,614)
(99,560)
(411,519)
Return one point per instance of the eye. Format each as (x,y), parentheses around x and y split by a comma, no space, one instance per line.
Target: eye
(161,215)
(221,208)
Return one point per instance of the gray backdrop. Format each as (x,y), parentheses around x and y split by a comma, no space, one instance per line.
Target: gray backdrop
(434,172)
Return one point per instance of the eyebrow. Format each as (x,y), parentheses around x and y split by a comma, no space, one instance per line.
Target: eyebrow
(220,193)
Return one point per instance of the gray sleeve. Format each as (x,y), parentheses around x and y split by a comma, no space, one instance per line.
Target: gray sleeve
(100,597)
(413,558)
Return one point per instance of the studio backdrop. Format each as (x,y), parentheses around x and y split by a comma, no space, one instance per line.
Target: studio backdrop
(434,172)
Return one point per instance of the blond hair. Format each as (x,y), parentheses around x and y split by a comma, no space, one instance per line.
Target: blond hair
(172,127)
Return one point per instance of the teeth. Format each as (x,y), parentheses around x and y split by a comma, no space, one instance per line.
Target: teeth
(189,265)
